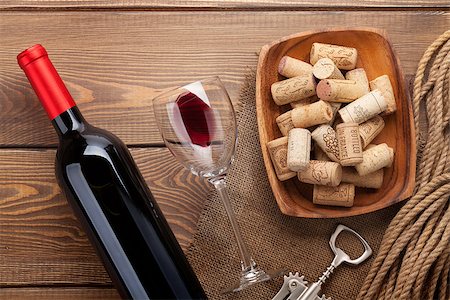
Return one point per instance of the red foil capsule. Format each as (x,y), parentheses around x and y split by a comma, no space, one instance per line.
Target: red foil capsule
(49,87)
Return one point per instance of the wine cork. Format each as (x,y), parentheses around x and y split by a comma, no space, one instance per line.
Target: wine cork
(312,114)
(290,67)
(360,77)
(335,106)
(375,158)
(293,89)
(341,195)
(299,147)
(363,108)
(344,57)
(325,68)
(284,122)
(319,154)
(373,180)
(278,153)
(383,84)
(370,129)
(321,173)
(337,90)
(350,149)
(304,102)
(325,138)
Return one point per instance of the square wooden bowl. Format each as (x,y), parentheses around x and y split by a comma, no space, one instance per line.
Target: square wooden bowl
(376,56)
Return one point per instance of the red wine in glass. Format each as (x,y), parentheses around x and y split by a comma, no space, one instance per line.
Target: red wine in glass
(197,117)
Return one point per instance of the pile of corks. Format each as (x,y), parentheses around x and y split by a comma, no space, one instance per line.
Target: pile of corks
(343,154)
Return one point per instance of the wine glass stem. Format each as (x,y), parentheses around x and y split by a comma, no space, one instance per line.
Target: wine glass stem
(221,187)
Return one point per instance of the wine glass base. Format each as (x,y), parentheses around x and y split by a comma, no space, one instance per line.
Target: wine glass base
(253,276)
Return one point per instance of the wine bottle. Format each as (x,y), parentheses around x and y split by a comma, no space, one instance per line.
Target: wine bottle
(110,197)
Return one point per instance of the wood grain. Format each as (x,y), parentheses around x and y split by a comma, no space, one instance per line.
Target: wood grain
(114,63)
(376,57)
(237,4)
(41,241)
(59,293)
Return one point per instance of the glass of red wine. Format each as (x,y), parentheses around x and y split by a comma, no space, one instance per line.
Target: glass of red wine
(198,125)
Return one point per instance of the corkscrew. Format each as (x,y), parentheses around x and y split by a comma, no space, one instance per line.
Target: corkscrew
(296,288)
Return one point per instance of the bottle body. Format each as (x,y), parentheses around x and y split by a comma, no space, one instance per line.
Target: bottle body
(118,212)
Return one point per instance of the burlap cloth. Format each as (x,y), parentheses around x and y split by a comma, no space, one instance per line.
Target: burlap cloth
(275,240)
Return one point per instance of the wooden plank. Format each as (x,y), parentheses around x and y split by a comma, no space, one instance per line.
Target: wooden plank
(59,293)
(220,4)
(114,63)
(41,241)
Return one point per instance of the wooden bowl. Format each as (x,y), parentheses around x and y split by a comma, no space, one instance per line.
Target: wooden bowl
(376,56)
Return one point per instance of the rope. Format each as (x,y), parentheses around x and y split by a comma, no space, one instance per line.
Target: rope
(414,257)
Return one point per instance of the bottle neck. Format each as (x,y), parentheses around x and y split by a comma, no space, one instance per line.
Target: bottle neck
(69,121)
(45,80)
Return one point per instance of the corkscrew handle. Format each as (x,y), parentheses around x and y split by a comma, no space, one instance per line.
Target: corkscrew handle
(341,256)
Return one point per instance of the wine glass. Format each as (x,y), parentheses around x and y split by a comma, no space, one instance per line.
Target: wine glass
(198,125)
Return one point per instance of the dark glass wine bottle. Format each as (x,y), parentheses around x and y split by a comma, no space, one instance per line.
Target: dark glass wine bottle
(110,197)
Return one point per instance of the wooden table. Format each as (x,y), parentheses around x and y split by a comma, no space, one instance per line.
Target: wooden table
(115,56)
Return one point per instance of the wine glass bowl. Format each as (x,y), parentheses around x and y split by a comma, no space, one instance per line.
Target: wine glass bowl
(198,125)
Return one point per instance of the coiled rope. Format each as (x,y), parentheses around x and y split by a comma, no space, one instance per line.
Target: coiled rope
(414,257)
